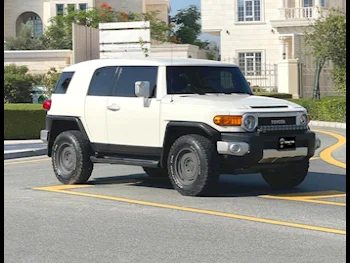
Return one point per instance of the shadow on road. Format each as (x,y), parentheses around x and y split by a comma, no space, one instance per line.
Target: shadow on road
(237,185)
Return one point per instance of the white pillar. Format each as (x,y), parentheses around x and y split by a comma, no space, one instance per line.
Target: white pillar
(317,3)
(282,4)
(288,81)
(286,47)
(282,48)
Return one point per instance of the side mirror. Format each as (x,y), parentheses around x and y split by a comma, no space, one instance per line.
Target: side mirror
(248,83)
(142,89)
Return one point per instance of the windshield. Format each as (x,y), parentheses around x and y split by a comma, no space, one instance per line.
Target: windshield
(206,79)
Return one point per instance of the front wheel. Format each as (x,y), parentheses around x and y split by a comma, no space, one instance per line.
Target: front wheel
(286,177)
(71,158)
(193,165)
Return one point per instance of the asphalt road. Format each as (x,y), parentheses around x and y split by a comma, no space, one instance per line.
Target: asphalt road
(123,216)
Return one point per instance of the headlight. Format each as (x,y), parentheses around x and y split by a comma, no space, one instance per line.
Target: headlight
(250,122)
(304,119)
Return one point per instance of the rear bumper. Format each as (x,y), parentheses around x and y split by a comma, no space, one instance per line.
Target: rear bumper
(252,150)
(44,135)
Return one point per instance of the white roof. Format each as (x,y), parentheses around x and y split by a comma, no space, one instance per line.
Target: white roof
(97,63)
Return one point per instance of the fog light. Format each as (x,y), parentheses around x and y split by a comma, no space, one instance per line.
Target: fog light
(235,148)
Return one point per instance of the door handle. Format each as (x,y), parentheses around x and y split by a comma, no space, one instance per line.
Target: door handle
(113,107)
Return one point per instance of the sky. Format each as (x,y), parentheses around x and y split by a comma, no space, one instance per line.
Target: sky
(180,4)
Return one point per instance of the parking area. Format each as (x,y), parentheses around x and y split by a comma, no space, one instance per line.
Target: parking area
(121,215)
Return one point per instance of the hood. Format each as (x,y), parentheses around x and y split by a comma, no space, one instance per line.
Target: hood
(235,101)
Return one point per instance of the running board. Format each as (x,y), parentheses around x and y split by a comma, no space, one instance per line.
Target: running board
(126,161)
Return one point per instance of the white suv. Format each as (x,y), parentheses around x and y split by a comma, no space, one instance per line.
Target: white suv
(190,120)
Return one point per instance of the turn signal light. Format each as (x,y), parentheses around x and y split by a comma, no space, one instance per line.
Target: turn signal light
(223,120)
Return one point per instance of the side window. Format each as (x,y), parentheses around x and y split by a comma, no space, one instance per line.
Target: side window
(63,82)
(129,75)
(102,81)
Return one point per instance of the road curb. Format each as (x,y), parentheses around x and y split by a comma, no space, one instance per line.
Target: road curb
(23,154)
(338,125)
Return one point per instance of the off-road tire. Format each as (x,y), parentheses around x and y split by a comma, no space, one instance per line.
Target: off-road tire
(193,165)
(288,176)
(71,162)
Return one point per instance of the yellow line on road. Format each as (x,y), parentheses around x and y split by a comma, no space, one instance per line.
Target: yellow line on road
(326,154)
(316,194)
(304,200)
(61,189)
(26,161)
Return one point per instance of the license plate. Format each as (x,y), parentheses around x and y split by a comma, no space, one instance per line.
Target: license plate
(286,143)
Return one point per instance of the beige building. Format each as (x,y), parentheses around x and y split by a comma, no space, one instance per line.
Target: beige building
(254,32)
(38,12)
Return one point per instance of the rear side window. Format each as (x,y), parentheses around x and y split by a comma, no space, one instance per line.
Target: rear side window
(129,75)
(101,82)
(63,82)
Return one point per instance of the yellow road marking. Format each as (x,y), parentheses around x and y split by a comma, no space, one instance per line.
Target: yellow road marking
(317,194)
(61,189)
(27,161)
(314,158)
(304,200)
(326,154)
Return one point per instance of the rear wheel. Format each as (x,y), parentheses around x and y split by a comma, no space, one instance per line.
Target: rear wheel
(288,176)
(71,158)
(193,165)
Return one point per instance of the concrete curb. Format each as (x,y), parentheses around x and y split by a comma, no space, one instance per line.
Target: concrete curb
(327,124)
(23,154)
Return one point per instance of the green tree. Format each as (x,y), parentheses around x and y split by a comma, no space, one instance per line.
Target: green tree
(187,27)
(59,33)
(17,84)
(24,40)
(50,79)
(327,39)
(213,51)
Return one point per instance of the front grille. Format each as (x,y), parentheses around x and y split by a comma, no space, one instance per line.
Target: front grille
(271,128)
(266,121)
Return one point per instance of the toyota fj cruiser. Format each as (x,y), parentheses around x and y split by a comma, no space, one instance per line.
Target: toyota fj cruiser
(190,120)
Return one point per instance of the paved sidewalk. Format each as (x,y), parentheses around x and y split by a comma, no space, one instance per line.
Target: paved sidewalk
(23,148)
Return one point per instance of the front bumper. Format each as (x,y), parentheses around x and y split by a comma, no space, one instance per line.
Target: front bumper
(246,150)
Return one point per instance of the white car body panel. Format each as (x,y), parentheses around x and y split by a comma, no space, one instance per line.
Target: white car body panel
(140,123)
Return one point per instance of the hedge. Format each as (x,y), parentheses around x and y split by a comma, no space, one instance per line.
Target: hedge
(331,109)
(23,121)
(274,95)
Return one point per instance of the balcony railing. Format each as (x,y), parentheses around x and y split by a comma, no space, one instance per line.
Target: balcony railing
(301,13)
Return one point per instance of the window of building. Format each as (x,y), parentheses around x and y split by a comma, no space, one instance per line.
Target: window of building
(250,63)
(249,10)
(59,9)
(71,7)
(82,6)
(63,83)
(311,3)
(102,82)
(129,75)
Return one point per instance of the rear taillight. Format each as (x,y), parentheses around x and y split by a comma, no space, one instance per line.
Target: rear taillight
(47,104)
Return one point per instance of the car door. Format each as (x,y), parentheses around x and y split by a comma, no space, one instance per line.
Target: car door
(95,105)
(133,122)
